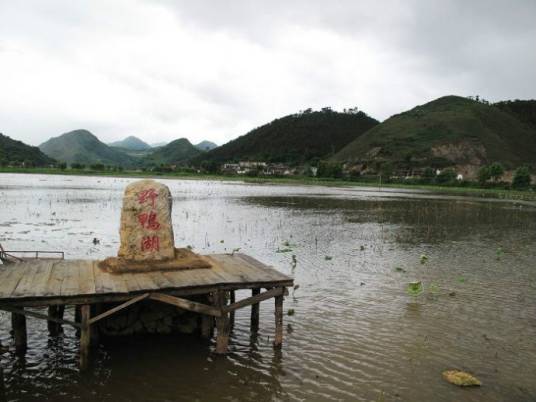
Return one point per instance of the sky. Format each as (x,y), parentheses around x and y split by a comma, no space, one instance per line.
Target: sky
(214,70)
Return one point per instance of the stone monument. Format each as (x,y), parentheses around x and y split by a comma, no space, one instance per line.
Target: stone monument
(146,233)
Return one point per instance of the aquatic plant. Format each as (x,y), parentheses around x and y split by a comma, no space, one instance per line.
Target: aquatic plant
(328,258)
(415,288)
(499,253)
(400,269)
(424,258)
(290,312)
(283,250)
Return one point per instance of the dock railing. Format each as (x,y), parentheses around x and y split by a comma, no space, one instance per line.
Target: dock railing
(12,256)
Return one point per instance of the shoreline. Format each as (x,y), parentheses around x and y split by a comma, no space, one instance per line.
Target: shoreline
(496,193)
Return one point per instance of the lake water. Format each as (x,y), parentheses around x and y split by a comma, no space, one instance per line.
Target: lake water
(356,334)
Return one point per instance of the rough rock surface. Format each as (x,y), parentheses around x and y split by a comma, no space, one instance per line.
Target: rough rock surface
(146,229)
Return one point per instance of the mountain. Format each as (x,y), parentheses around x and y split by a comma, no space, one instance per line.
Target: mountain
(158,144)
(80,146)
(17,152)
(295,138)
(205,145)
(175,153)
(131,143)
(451,130)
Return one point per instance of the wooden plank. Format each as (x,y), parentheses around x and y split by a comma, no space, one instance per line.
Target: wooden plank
(24,287)
(104,283)
(118,308)
(259,267)
(160,280)
(71,278)
(53,286)
(145,281)
(40,278)
(186,304)
(86,278)
(255,299)
(131,282)
(21,311)
(11,278)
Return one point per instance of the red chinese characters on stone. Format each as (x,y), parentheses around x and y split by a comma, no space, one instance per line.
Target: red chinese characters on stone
(148,220)
(147,195)
(150,243)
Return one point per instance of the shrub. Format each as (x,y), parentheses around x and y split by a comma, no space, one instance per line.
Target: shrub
(521,179)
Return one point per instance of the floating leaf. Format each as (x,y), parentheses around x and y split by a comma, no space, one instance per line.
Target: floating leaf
(290,312)
(328,258)
(400,269)
(424,258)
(461,378)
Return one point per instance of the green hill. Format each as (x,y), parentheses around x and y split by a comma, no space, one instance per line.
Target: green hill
(523,110)
(205,145)
(17,152)
(80,146)
(295,138)
(447,131)
(131,143)
(177,152)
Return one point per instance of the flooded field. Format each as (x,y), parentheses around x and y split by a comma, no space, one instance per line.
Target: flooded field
(355,335)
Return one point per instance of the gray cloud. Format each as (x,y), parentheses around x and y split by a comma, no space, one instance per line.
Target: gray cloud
(213,70)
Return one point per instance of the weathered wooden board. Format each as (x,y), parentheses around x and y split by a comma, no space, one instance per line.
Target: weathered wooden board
(72,278)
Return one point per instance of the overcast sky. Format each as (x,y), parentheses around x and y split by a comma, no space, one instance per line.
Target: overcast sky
(214,70)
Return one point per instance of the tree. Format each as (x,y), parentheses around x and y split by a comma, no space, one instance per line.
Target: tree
(483,175)
(329,169)
(62,165)
(428,175)
(446,176)
(522,178)
(496,170)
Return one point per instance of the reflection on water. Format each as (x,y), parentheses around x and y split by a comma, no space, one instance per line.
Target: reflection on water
(355,335)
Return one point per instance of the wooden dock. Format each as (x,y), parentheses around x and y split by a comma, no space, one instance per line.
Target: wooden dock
(56,284)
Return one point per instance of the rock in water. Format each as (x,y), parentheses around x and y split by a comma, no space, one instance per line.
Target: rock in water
(146,229)
(461,378)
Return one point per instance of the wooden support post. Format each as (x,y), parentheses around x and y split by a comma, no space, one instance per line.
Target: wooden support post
(2,385)
(232,313)
(206,326)
(222,325)
(96,309)
(207,321)
(255,311)
(55,312)
(85,335)
(18,323)
(278,340)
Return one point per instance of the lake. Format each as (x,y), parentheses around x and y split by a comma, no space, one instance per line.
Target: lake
(355,335)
